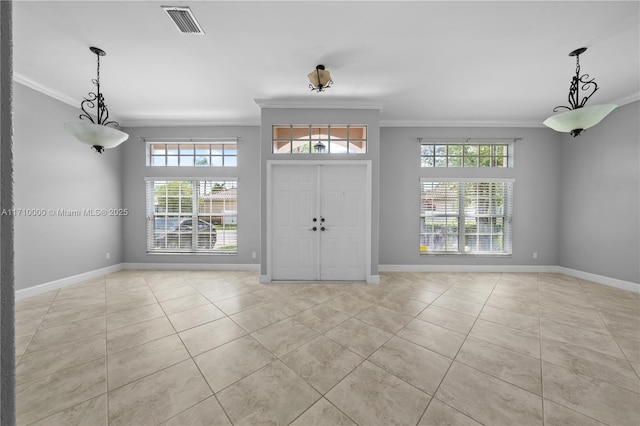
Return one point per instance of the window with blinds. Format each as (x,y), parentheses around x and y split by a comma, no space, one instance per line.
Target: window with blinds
(192,216)
(192,153)
(466,216)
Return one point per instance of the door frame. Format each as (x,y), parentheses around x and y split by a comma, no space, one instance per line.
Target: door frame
(368,206)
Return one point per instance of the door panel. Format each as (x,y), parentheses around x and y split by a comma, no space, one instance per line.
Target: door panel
(335,193)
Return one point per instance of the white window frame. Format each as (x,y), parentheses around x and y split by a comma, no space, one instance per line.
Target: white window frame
(325,138)
(457,217)
(173,238)
(191,159)
(440,155)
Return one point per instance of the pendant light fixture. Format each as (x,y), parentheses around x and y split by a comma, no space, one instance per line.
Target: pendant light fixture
(97,134)
(579,117)
(319,79)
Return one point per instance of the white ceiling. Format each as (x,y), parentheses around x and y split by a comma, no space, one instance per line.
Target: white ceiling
(430,63)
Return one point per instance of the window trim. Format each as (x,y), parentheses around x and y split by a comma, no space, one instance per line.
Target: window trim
(191,141)
(509,144)
(348,140)
(150,215)
(461,216)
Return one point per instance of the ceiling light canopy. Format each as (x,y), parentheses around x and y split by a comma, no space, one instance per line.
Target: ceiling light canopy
(319,79)
(578,116)
(96,134)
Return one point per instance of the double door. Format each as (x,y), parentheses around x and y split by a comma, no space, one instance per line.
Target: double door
(318,222)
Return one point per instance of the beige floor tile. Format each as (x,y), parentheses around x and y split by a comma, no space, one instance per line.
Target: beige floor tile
(73,315)
(371,396)
(512,367)
(320,318)
(468,295)
(414,364)
(292,305)
(417,293)
(233,361)
(124,302)
(92,412)
(77,302)
(526,308)
(323,413)
(240,303)
(403,305)
(216,293)
(557,415)
(500,404)
(575,317)
(205,413)
(621,325)
(600,342)
(439,413)
(180,304)
(38,399)
(134,316)
(348,304)
(384,319)
(21,343)
(321,293)
(59,358)
(592,397)
(461,306)
(142,360)
(506,337)
(585,361)
(322,363)
(284,336)
(67,333)
(448,319)
(259,317)
(271,395)
(511,319)
(174,293)
(194,317)
(133,335)
(359,337)
(438,339)
(210,335)
(158,397)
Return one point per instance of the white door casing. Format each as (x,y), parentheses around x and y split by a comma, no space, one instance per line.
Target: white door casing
(338,192)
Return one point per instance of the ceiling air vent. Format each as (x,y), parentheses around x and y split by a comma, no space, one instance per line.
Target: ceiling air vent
(184,19)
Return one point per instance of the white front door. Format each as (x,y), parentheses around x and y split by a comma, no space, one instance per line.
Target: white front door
(318,222)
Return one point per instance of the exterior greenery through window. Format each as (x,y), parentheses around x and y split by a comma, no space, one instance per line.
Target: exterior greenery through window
(192,216)
(192,153)
(464,155)
(319,139)
(466,216)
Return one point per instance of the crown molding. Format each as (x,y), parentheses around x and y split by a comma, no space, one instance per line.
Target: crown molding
(45,90)
(462,123)
(627,99)
(316,104)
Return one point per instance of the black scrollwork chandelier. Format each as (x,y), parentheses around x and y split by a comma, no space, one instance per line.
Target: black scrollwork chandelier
(578,116)
(96,134)
(319,79)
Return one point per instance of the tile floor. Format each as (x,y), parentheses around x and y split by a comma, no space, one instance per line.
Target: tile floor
(217,348)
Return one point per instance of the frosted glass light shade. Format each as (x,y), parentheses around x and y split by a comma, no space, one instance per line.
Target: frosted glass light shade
(96,134)
(579,118)
(322,81)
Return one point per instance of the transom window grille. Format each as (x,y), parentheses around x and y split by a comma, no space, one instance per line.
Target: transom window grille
(193,153)
(317,139)
(192,216)
(466,217)
(464,155)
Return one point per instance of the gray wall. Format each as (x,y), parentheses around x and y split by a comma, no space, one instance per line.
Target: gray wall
(600,187)
(55,171)
(283,116)
(247,172)
(536,195)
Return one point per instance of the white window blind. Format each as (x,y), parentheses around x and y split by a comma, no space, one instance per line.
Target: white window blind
(466,216)
(192,216)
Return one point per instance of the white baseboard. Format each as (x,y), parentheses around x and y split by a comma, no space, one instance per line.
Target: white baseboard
(373,279)
(600,279)
(63,282)
(192,266)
